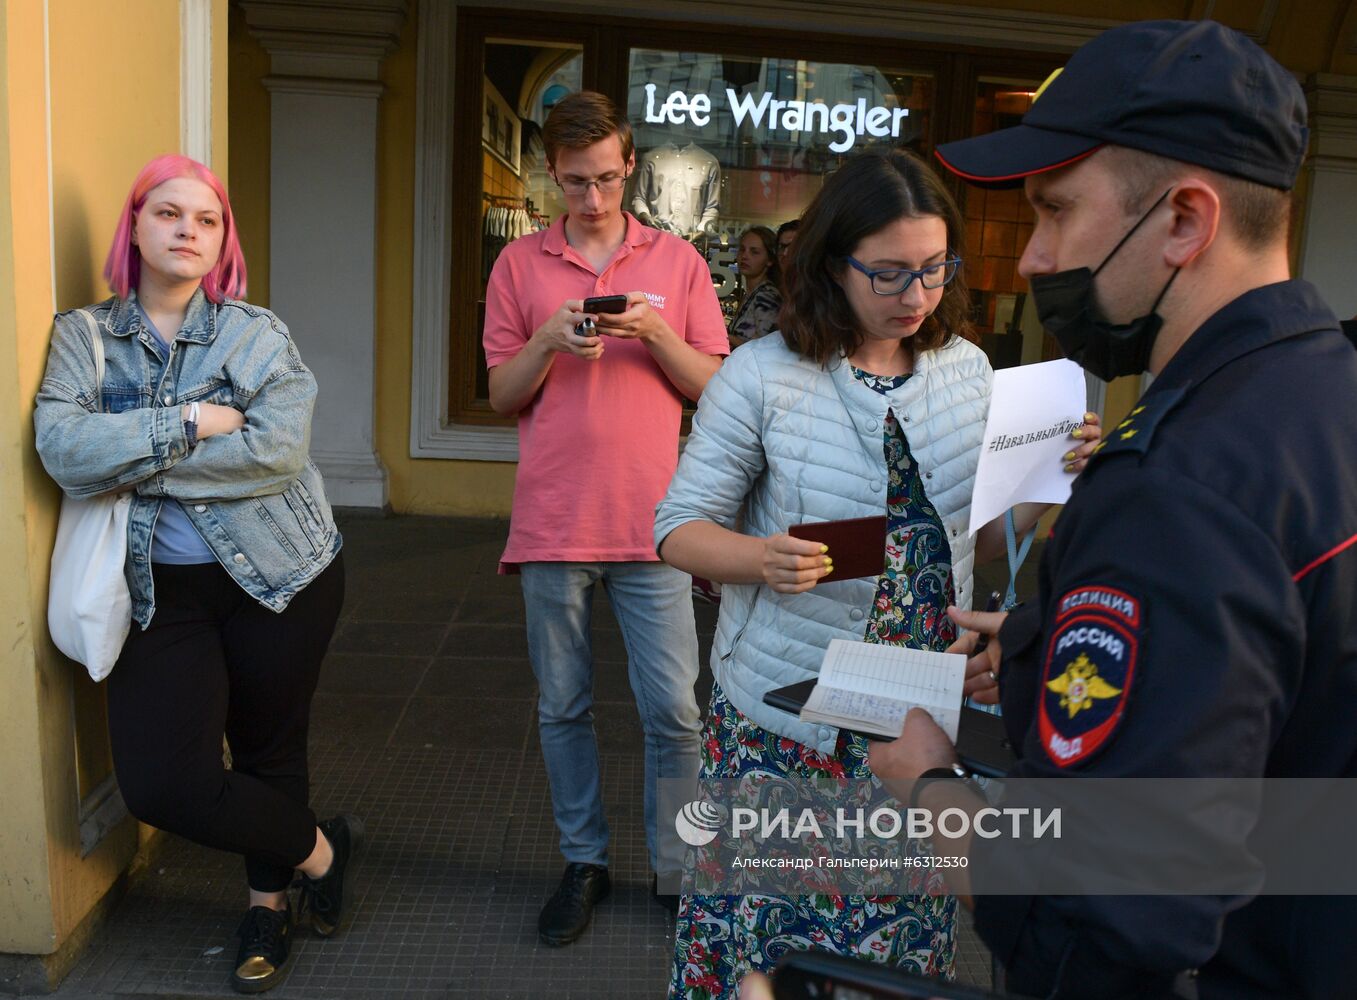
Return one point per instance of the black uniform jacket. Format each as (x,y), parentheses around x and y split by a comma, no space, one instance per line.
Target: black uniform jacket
(1197,617)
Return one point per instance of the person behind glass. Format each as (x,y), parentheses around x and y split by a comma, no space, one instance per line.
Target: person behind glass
(786,236)
(870,401)
(599,412)
(233,557)
(758,266)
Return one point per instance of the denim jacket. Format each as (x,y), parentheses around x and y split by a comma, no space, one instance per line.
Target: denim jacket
(254,495)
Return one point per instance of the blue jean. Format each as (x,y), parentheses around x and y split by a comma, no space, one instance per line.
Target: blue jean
(653,605)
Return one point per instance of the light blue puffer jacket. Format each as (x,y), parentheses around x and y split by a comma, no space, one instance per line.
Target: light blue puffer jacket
(803,443)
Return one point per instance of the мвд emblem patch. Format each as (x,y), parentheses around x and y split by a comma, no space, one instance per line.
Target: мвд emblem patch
(1089,669)
(1079,685)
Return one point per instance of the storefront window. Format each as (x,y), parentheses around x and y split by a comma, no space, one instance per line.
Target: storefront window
(725,142)
(523,81)
(998,224)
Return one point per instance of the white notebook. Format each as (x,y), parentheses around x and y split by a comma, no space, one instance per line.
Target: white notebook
(870,688)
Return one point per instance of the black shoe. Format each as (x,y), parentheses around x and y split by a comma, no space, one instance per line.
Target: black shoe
(567,913)
(669,900)
(261,963)
(324,897)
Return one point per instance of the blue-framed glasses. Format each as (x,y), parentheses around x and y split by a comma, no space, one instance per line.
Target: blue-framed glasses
(894,280)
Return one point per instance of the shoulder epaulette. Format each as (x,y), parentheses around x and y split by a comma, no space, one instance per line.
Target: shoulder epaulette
(1135,432)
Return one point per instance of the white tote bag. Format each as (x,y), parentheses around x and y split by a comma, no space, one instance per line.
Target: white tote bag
(89,608)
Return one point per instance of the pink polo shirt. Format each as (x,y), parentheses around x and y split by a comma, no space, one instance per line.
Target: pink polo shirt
(599,443)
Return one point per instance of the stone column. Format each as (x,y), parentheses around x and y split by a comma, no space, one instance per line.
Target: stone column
(326,57)
(1329,238)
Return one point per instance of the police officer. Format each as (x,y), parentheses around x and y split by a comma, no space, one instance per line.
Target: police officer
(1197,610)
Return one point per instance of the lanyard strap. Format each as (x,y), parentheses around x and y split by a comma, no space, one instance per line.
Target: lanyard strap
(1017,555)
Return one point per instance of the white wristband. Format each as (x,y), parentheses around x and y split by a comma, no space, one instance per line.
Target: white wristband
(191,425)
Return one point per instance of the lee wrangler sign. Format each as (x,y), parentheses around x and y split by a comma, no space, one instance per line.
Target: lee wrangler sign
(845,121)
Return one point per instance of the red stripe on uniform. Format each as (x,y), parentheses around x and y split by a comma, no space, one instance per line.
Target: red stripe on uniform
(1325,558)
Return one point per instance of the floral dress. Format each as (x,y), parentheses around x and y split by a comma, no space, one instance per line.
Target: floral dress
(722,938)
(758,313)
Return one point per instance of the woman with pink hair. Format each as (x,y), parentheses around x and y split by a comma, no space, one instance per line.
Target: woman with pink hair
(203,415)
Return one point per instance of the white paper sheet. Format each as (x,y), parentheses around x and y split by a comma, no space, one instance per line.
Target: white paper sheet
(1031,414)
(871,688)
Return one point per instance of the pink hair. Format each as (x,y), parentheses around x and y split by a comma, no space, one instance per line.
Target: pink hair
(122,270)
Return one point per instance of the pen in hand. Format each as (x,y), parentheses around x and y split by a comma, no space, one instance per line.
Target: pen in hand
(991,605)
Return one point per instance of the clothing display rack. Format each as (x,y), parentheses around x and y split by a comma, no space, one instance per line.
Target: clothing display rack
(504,220)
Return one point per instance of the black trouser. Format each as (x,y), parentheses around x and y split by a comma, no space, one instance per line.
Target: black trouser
(214,661)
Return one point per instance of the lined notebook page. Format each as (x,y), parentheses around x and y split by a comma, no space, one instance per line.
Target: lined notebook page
(872,687)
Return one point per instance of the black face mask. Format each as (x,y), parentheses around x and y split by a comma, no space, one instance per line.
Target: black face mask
(1068,308)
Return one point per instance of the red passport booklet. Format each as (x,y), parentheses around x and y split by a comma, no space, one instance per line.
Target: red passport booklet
(857,546)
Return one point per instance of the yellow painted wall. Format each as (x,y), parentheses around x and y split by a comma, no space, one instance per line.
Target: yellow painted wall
(249,157)
(420,486)
(91,105)
(25,914)
(114,71)
(221,109)
(1303,37)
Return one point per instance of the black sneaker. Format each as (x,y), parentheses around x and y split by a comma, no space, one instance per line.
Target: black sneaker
(261,963)
(324,897)
(567,912)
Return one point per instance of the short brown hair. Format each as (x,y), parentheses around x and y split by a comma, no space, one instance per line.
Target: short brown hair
(1257,214)
(862,197)
(583,118)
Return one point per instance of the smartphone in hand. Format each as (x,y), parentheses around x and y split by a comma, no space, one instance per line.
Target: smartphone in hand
(605,304)
(599,304)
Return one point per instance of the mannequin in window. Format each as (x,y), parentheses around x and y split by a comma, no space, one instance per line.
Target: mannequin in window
(758,266)
(678,190)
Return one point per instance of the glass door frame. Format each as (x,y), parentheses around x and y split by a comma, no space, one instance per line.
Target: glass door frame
(475,29)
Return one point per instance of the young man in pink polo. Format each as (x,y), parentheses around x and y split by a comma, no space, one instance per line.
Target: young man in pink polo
(598,424)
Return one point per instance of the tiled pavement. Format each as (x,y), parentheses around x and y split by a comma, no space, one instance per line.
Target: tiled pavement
(424,725)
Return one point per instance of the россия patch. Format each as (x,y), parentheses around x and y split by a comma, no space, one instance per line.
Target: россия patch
(1088,672)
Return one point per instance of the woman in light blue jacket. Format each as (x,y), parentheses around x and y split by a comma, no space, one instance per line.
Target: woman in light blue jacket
(870,401)
(233,562)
